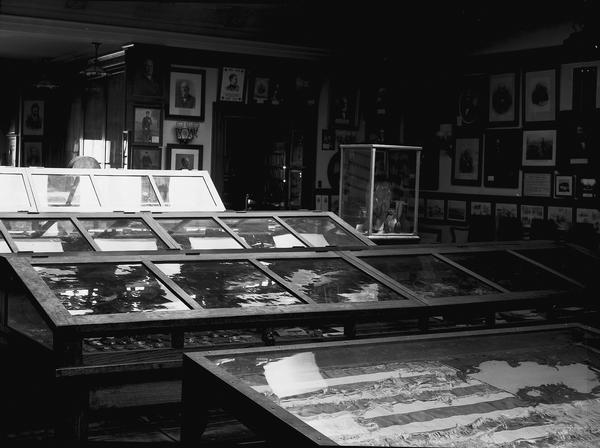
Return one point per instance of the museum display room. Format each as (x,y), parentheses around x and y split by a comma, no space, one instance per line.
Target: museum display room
(266,223)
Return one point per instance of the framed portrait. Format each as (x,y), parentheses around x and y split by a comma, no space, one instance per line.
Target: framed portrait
(502,158)
(326,140)
(147,74)
(147,126)
(479,208)
(345,106)
(506,210)
(435,209)
(466,162)
(539,148)
(503,100)
(32,154)
(184,157)
(531,212)
(562,216)
(33,117)
(260,90)
(472,101)
(539,97)
(537,184)
(146,158)
(186,93)
(232,84)
(457,210)
(563,186)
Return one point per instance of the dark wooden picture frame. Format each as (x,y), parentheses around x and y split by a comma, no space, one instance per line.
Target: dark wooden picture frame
(502,158)
(466,161)
(538,184)
(345,106)
(187,93)
(232,84)
(504,101)
(564,186)
(261,89)
(147,74)
(33,117)
(184,157)
(146,158)
(539,147)
(540,99)
(32,153)
(147,124)
(472,101)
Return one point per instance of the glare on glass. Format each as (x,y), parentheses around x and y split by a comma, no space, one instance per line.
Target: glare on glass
(13,194)
(185,193)
(122,234)
(263,232)
(322,231)
(46,235)
(64,190)
(126,192)
(227,284)
(108,288)
(198,233)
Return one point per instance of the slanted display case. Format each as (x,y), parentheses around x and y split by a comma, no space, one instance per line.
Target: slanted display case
(523,386)
(379,191)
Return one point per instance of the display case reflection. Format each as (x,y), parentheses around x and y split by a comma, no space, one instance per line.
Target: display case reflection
(46,235)
(122,234)
(379,189)
(263,232)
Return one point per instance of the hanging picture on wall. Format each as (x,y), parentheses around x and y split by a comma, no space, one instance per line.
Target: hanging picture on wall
(147,73)
(540,96)
(146,158)
(32,154)
(345,106)
(260,91)
(184,157)
(563,186)
(506,210)
(435,209)
(186,93)
(588,216)
(578,138)
(481,208)
(503,100)
(232,84)
(457,210)
(537,184)
(466,163)
(580,86)
(147,127)
(562,216)
(33,117)
(502,158)
(539,148)
(472,101)
(531,212)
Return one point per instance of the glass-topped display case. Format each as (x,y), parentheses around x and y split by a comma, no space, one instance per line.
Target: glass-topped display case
(379,193)
(517,387)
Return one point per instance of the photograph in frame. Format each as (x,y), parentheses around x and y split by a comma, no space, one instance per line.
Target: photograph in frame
(147,128)
(506,210)
(578,138)
(503,100)
(147,75)
(502,158)
(32,154)
(587,187)
(457,210)
(184,157)
(345,106)
(260,90)
(562,217)
(479,208)
(472,101)
(588,216)
(233,81)
(146,158)
(563,185)
(531,212)
(435,209)
(537,184)
(540,98)
(187,93)
(33,117)
(539,148)
(466,163)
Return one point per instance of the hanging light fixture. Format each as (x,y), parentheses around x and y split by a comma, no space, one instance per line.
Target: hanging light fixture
(94,70)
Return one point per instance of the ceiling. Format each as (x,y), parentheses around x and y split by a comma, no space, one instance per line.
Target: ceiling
(62,30)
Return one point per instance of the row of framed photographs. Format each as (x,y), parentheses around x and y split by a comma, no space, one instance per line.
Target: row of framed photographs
(564,186)
(494,100)
(506,151)
(460,210)
(178,157)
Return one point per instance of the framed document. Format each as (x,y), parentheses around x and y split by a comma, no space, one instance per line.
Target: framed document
(537,184)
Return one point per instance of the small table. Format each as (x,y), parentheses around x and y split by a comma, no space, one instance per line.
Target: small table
(488,386)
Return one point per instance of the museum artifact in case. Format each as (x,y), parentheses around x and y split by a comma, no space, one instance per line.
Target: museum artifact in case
(379,190)
(522,386)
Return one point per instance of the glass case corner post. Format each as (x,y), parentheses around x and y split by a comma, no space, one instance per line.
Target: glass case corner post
(417,189)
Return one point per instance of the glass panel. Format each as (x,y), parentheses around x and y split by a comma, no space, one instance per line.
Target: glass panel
(331,280)
(509,271)
(185,193)
(122,234)
(567,261)
(356,178)
(263,232)
(201,233)
(46,235)
(517,390)
(4,249)
(107,288)
(64,190)
(429,276)
(322,231)
(227,284)
(126,192)
(13,195)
